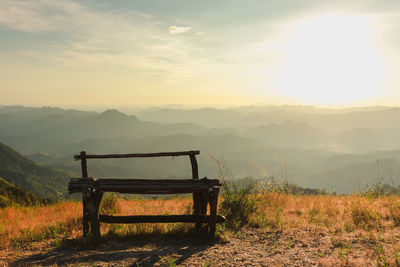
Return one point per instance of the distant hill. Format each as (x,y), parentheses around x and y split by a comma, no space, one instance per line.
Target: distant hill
(336,120)
(244,156)
(356,177)
(305,145)
(283,135)
(13,195)
(32,130)
(44,181)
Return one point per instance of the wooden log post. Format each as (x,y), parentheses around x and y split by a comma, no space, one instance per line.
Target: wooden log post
(203,204)
(85,219)
(92,208)
(213,211)
(156,219)
(140,155)
(196,196)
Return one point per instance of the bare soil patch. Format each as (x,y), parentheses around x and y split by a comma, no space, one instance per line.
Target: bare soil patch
(248,247)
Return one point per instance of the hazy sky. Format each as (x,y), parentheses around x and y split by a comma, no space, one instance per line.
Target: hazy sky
(199,53)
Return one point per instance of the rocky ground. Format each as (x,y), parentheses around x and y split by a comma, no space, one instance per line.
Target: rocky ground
(249,247)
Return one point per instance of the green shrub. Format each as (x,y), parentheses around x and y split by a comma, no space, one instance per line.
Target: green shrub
(240,197)
(394,211)
(364,217)
(240,201)
(109,204)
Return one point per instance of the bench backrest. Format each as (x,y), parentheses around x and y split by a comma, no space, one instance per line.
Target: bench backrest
(83,157)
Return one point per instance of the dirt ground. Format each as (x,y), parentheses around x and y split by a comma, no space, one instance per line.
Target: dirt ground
(249,247)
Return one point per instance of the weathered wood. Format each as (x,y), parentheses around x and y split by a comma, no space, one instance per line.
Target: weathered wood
(116,181)
(203,204)
(151,190)
(157,219)
(85,218)
(83,158)
(213,211)
(93,204)
(205,191)
(142,186)
(195,167)
(140,155)
(196,196)
(204,180)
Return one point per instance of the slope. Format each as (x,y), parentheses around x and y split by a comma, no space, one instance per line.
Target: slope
(44,181)
(13,195)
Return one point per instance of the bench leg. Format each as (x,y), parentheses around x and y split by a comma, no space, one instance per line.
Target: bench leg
(203,204)
(197,208)
(213,211)
(85,216)
(93,204)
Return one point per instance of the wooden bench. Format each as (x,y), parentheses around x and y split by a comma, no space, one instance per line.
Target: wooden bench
(205,193)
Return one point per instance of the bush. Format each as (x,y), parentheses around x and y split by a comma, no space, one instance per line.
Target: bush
(240,197)
(364,217)
(274,184)
(240,201)
(109,204)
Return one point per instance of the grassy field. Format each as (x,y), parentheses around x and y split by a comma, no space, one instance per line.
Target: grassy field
(352,222)
(22,225)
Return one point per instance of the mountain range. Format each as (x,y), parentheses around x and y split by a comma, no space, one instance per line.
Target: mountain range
(321,148)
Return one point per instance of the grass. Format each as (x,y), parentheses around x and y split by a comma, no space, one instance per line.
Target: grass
(240,201)
(21,225)
(271,210)
(352,221)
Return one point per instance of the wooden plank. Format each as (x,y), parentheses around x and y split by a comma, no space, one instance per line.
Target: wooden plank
(83,158)
(140,155)
(85,215)
(158,183)
(151,181)
(196,196)
(151,190)
(142,186)
(157,219)
(195,168)
(213,212)
(134,182)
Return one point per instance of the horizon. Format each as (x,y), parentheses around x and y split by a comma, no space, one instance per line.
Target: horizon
(127,109)
(81,53)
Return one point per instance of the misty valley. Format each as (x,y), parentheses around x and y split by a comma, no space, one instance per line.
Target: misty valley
(336,150)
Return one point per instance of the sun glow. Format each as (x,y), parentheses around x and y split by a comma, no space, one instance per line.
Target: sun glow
(330,60)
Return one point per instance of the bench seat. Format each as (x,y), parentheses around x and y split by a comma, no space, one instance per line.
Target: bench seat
(142,186)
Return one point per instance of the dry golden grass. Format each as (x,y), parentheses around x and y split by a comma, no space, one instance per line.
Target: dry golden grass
(335,213)
(21,225)
(355,224)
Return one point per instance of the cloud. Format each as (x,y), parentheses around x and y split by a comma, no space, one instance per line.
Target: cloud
(103,38)
(199,33)
(176,30)
(88,36)
(37,16)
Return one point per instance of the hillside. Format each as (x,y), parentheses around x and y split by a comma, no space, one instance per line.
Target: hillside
(44,181)
(13,195)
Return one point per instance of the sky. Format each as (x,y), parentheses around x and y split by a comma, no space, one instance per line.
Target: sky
(135,53)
